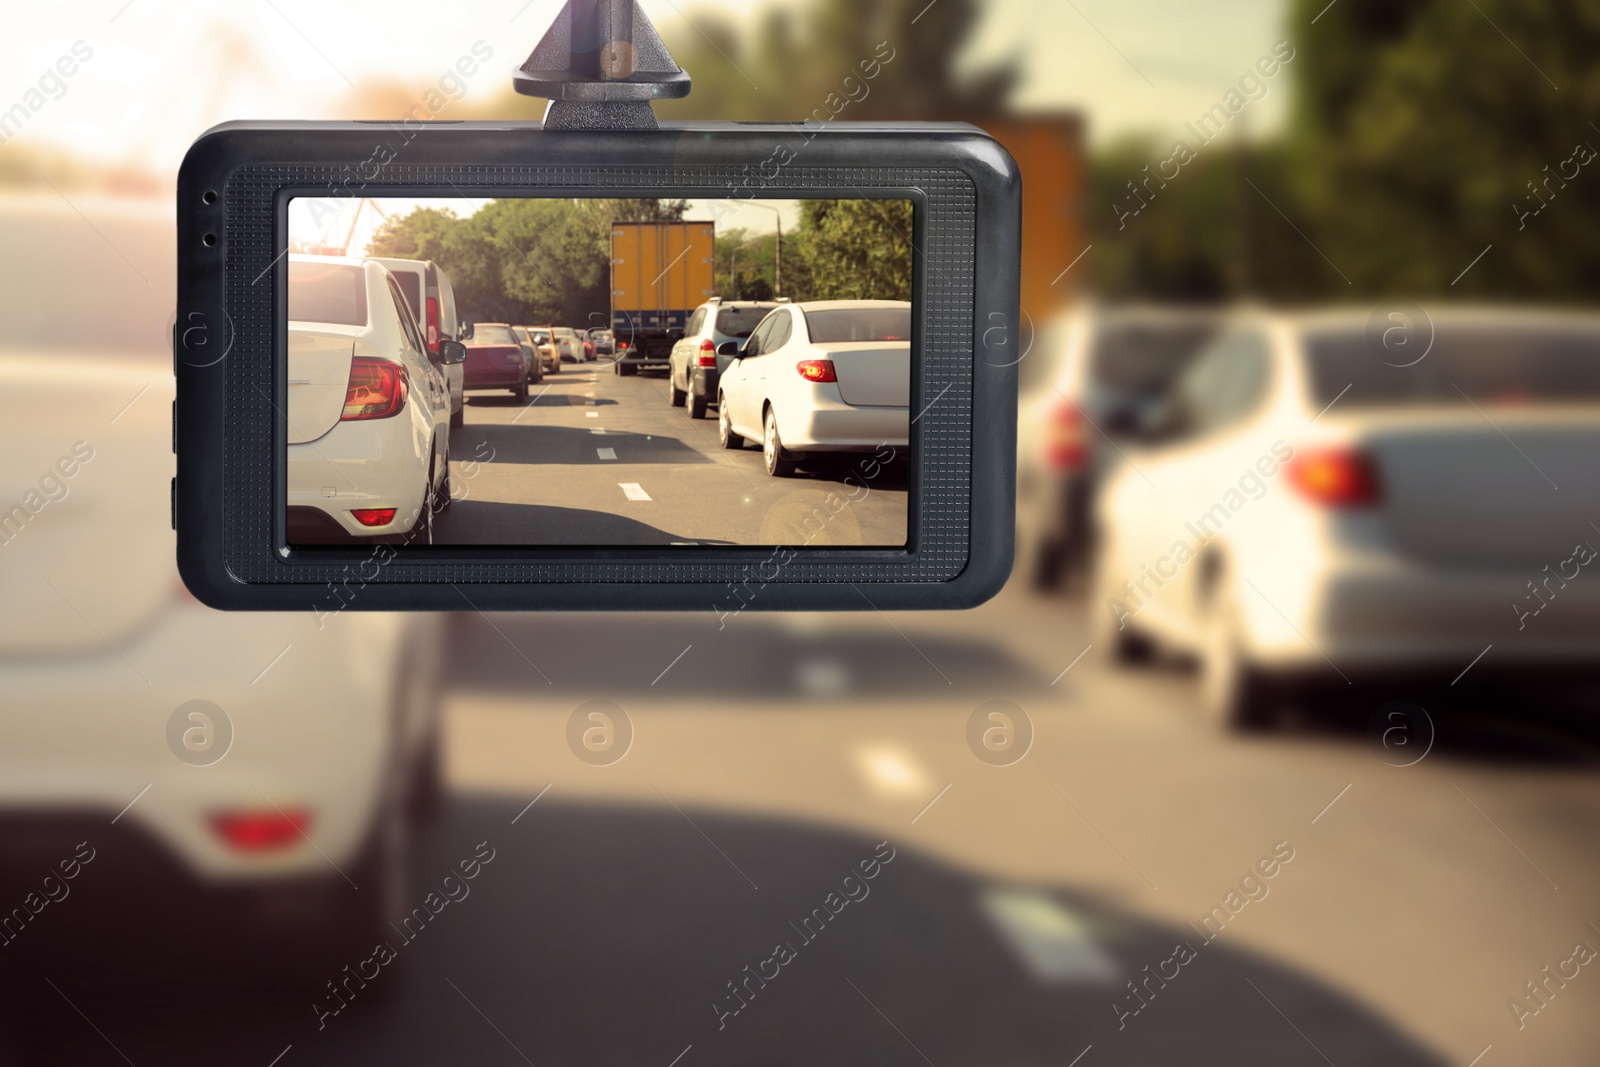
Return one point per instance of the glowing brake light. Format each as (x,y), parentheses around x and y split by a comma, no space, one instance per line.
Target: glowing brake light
(1337,477)
(1067,439)
(261,831)
(377,389)
(817,370)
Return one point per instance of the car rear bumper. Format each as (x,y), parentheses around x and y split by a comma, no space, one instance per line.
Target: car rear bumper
(842,428)
(506,378)
(1397,616)
(703,381)
(375,464)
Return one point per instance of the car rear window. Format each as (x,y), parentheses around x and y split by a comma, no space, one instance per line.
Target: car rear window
(1145,357)
(327,292)
(739,322)
(411,286)
(1492,364)
(859,324)
(540,336)
(493,335)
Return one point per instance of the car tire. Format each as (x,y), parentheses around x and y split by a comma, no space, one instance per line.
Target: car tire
(697,405)
(458,417)
(536,372)
(625,369)
(1235,694)
(1117,635)
(421,532)
(779,461)
(521,391)
(725,432)
(675,396)
(382,876)
(442,498)
(555,367)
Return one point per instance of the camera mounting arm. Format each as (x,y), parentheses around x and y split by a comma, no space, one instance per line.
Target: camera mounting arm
(601,63)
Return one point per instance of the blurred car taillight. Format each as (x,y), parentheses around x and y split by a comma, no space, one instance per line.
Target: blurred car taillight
(1336,477)
(817,370)
(260,831)
(433,325)
(374,516)
(377,389)
(708,353)
(1066,446)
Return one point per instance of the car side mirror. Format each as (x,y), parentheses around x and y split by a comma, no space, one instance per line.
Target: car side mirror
(729,348)
(452,353)
(467,330)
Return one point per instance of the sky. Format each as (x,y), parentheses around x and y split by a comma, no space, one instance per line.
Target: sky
(163,71)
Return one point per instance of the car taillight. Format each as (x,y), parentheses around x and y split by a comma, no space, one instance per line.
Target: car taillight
(816,370)
(1337,477)
(1066,445)
(622,344)
(373,516)
(433,326)
(377,389)
(708,353)
(260,831)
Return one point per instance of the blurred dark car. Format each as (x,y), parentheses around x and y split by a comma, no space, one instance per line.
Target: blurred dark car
(1091,382)
(496,360)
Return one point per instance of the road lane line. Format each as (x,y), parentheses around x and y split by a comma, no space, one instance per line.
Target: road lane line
(633,491)
(591,414)
(606,453)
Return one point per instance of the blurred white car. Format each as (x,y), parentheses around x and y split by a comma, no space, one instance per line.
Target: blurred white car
(822,377)
(1325,507)
(432,300)
(1086,387)
(331,715)
(569,346)
(368,412)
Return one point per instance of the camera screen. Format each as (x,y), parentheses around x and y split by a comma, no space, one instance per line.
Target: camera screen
(598,372)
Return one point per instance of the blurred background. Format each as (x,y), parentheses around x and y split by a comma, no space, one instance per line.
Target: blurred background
(1279,747)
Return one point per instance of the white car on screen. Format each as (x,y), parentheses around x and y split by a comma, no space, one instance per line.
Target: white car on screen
(322,723)
(1330,502)
(819,378)
(569,346)
(368,411)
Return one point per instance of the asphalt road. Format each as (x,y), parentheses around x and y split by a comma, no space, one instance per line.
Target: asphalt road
(597,459)
(769,758)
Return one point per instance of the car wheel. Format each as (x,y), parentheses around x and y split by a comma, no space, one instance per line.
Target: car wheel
(521,391)
(779,461)
(725,433)
(458,417)
(536,372)
(443,498)
(1234,693)
(555,367)
(381,874)
(675,396)
(697,405)
(421,532)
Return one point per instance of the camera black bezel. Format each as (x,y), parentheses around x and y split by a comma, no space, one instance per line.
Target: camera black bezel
(232,549)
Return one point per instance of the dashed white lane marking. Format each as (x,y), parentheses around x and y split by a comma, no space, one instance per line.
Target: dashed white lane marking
(589,393)
(633,491)
(591,414)
(606,453)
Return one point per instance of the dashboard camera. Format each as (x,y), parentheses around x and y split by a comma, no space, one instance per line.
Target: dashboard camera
(598,362)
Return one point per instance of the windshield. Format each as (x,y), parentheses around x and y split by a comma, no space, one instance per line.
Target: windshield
(859,324)
(327,292)
(492,334)
(1492,364)
(740,322)
(540,336)
(1143,357)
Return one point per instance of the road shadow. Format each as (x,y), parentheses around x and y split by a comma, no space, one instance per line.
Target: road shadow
(496,523)
(604,934)
(752,656)
(546,400)
(531,442)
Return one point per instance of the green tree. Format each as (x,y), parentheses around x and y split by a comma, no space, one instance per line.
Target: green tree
(1418,128)
(852,250)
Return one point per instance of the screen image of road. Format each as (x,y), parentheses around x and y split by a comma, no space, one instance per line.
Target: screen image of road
(598,373)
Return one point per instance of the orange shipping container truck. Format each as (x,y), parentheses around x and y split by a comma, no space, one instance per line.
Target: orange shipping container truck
(660,272)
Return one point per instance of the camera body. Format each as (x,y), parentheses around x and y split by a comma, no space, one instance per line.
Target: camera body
(231,428)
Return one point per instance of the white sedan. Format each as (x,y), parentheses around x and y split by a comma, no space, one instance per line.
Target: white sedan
(829,376)
(322,723)
(368,413)
(1333,499)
